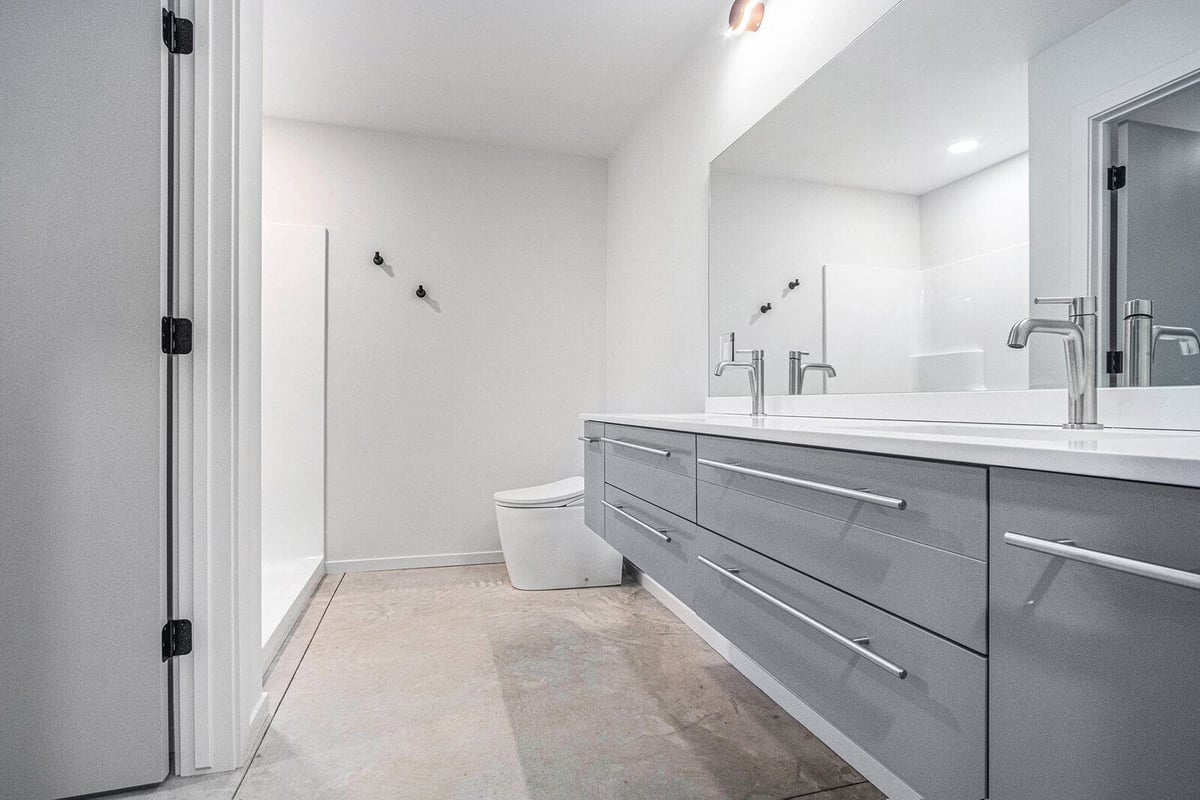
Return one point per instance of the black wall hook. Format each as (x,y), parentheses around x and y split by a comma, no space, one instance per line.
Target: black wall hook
(765,308)
(421,290)
(793,283)
(378,259)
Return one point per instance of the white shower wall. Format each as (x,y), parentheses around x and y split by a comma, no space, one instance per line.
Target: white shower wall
(293,423)
(436,403)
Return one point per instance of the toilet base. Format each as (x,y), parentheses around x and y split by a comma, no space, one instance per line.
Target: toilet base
(552,548)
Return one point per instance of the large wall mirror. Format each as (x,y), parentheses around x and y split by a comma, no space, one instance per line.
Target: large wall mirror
(875,226)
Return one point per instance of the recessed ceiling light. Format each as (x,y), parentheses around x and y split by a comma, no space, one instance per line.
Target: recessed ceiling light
(965,146)
(745,15)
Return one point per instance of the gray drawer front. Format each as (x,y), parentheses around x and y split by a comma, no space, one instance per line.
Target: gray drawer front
(938,590)
(681,446)
(593,477)
(669,563)
(946,503)
(672,491)
(928,728)
(1093,689)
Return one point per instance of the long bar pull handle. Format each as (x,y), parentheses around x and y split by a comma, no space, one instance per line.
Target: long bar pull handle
(854,494)
(662,534)
(857,645)
(588,439)
(1130,566)
(642,447)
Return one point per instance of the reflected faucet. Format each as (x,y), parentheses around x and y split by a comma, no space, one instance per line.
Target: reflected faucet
(754,368)
(1079,334)
(1141,341)
(797,368)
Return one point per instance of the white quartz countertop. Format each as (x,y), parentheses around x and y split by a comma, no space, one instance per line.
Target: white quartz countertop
(1156,456)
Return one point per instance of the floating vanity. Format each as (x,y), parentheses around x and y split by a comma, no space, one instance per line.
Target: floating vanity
(986,610)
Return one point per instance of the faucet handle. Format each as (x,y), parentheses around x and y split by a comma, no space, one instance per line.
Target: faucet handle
(798,353)
(1079,305)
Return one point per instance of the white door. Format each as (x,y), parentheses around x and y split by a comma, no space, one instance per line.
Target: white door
(1158,231)
(83,686)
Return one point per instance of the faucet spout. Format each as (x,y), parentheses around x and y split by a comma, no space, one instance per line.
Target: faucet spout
(1081,386)
(754,371)
(1189,341)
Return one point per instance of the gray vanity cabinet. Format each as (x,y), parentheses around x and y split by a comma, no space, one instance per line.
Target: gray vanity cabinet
(658,466)
(925,721)
(660,543)
(593,476)
(1093,689)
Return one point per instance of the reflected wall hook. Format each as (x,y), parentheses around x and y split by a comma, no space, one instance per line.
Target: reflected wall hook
(378,259)
(793,283)
(765,308)
(421,290)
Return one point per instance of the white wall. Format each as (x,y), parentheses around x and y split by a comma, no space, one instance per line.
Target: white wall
(435,404)
(975,262)
(1073,72)
(293,423)
(658,355)
(766,231)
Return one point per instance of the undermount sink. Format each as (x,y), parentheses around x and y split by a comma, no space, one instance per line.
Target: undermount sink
(1026,433)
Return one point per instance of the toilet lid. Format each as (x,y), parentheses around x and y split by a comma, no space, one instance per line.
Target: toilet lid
(549,495)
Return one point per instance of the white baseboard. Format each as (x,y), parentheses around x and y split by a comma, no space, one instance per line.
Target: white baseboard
(280,634)
(879,775)
(414,562)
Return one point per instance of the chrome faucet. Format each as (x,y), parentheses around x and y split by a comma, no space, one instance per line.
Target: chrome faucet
(797,368)
(1141,341)
(754,368)
(1079,333)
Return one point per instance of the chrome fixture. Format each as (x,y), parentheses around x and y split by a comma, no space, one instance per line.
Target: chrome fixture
(661,533)
(856,644)
(754,368)
(1079,332)
(654,451)
(1141,341)
(797,368)
(1066,548)
(861,495)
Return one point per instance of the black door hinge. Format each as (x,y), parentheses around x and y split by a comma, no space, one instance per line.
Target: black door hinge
(1114,362)
(1116,178)
(176,638)
(176,336)
(177,33)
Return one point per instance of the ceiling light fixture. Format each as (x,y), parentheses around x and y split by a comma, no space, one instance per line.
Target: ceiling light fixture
(965,146)
(745,15)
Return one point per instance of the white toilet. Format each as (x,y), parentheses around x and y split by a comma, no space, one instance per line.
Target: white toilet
(545,543)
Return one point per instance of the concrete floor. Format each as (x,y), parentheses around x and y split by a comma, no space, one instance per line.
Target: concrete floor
(447,683)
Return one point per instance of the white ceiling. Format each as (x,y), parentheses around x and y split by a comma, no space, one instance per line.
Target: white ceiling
(930,73)
(567,76)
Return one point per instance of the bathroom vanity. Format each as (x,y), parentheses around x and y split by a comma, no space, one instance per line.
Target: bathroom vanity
(995,612)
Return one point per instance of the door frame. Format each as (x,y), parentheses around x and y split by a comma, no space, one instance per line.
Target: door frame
(218,704)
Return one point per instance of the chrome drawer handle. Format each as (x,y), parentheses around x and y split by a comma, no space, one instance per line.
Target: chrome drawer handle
(588,439)
(856,645)
(662,534)
(642,447)
(1069,550)
(854,494)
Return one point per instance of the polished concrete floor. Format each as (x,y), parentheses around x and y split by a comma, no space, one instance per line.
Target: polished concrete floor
(448,683)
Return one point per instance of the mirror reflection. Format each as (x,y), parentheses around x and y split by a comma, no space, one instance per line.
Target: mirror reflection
(871,234)
(1154,211)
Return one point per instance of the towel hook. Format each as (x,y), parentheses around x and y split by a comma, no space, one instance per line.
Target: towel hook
(378,259)
(421,290)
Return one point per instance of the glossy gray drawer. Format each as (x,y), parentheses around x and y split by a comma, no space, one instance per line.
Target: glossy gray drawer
(1093,687)
(676,493)
(593,477)
(936,589)
(634,444)
(945,504)
(668,562)
(928,728)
